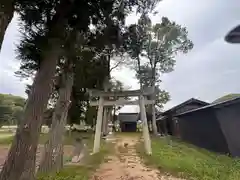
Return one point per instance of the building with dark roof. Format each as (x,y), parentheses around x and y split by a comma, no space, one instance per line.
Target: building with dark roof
(166,121)
(128,121)
(214,127)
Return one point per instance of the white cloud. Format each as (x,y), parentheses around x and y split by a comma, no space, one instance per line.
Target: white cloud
(10,84)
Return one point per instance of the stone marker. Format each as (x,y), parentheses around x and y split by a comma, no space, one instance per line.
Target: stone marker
(79,151)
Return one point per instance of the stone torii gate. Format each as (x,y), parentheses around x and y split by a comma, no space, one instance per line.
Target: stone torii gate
(121,101)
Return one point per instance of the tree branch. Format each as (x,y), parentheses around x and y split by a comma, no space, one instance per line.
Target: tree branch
(115,66)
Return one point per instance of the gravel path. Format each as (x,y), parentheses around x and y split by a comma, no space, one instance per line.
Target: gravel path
(126,165)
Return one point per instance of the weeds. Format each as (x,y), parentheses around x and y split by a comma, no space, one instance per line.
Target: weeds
(191,162)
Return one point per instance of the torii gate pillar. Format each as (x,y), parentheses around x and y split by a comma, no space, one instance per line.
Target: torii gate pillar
(101,103)
(98,128)
(146,136)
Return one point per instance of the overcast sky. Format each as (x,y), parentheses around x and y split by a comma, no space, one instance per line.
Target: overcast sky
(210,70)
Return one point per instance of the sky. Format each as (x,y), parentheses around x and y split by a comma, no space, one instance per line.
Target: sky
(209,71)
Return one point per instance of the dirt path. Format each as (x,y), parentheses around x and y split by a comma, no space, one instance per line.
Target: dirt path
(126,165)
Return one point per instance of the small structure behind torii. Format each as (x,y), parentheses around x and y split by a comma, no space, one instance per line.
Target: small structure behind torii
(121,101)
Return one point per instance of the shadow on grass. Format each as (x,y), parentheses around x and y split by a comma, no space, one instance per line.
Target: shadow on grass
(188,161)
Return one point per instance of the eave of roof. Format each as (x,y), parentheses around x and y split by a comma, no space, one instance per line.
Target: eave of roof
(214,105)
(185,103)
(161,118)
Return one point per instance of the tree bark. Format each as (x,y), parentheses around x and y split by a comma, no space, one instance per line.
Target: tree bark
(52,160)
(105,109)
(154,122)
(29,169)
(25,142)
(6,15)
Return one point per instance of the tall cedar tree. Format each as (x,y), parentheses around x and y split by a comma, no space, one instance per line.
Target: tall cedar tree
(7,9)
(45,24)
(6,15)
(158,43)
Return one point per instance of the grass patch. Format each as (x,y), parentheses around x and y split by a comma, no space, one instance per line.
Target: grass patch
(188,161)
(70,172)
(77,172)
(68,140)
(82,172)
(6,140)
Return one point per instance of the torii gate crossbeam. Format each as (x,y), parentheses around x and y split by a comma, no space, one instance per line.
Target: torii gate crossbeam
(141,102)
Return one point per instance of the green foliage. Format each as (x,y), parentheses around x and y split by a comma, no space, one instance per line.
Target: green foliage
(226,97)
(11,109)
(70,172)
(146,73)
(159,44)
(89,74)
(91,115)
(58,20)
(191,162)
(116,85)
(6,140)
(162,97)
(165,40)
(88,50)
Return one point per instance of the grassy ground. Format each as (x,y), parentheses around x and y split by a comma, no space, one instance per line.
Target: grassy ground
(190,162)
(82,172)
(7,138)
(78,172)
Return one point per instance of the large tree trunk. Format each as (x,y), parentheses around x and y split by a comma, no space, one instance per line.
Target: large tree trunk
(25,142)
(52,160)
(105,109)
(154,122)
(153,97)
(29,169)
(6,15)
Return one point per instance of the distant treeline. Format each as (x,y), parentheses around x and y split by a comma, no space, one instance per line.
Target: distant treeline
(11,109)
